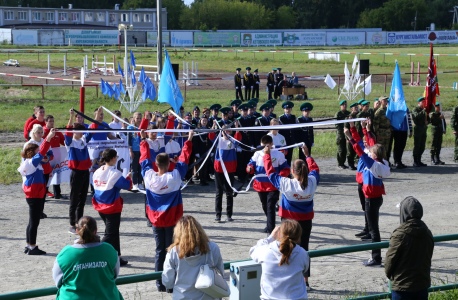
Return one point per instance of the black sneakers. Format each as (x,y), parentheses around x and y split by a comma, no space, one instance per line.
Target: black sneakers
(36,251)
(229,219)
(26,249)
(122,262)
(366,237)
(362,233)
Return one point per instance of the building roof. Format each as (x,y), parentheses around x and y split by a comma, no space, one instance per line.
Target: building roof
(58,26)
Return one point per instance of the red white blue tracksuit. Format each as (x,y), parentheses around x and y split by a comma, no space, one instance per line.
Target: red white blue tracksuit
(108,182)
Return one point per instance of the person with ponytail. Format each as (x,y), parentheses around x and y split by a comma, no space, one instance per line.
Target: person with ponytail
(89,268)
(283,263)
(34,187)
(108,182)
(297,194)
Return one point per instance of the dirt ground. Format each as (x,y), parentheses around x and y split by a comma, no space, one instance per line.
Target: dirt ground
(338,217)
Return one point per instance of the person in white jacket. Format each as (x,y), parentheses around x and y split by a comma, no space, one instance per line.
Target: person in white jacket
(190,250)
(283,262)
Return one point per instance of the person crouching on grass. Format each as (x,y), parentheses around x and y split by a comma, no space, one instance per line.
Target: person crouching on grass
(375,169)
(34,188)
(108,182)
(164,201)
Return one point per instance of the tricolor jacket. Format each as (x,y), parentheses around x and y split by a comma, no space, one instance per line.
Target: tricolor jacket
(78,155)
(261,181)
(228,152)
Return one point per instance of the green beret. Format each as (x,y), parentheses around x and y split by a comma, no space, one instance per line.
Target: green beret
(248,68)
(306,106)
(236,102)
(360,101)
(255,70)
(287,104)
(252,103)
(279,69)
(215,107)
(225,110)
(272,102)
(248,104)
(243,106)
(376,100)
(238,69)
(438,104)
(354,104)
(256,100)
(276,70)
(365,103)
(342,102)
(265,106)
(420,99)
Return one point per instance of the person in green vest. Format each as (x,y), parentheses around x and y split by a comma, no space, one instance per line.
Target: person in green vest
(88,269)
(341,142)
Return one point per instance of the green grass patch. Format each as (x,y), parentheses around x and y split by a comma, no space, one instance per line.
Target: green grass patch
(10,159)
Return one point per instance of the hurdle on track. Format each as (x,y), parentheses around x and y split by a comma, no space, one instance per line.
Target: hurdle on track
(417,83)
(106,69)
(155,74)
(190,79)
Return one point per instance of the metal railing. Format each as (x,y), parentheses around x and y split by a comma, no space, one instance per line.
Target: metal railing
(313,253)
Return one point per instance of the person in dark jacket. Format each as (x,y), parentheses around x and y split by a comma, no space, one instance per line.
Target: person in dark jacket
(408,259)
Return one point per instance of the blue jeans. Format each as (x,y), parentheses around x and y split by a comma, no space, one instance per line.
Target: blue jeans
(418,295)
(164,238)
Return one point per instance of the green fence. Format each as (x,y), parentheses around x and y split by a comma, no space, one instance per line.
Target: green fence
(313,253)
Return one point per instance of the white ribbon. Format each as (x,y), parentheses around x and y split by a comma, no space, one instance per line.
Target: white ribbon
(179,118)
(115,116)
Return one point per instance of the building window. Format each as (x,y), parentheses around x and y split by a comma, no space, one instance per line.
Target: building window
(101,17)
(49,16)
(63,16)
(75,17)
(22,15)
(147,18)
(9,15)
(112,18)
(37,16)
(136,18)
(124,18)
(88,17)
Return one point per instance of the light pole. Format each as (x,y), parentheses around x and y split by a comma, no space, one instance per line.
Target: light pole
(125,27)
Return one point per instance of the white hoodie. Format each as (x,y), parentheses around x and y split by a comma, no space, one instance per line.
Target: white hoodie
(285,281)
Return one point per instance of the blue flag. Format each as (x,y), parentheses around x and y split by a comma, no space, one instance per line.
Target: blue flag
(128,68)
(120,70)
(132,59)
(117,93)
(121,87)
(397,107)
(103,87)
(169,92)
(146,89)
(141,78)
(133,77)
(110,91)
(152,92)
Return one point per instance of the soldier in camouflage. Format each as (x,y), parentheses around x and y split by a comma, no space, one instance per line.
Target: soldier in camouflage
(382,126)
(438,126)
(421,120)
(364,113)
(454,124)
(341,141)
(372,111)
(351,154)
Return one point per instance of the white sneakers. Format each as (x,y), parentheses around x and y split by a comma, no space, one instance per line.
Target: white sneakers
(134,188)
(137,187)
(140,186)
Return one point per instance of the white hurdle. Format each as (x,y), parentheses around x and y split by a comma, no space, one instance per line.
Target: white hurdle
(105,70)
(155,74)
(194,74)
(186,74)
(190,79)
(65,65)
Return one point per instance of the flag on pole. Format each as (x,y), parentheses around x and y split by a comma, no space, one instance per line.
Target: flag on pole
(152,92)
(347,77)
(169,92)
(110,91)
(121,87)
(397,108)
(146,89)
(430,88)
(133,77)
(330,82)
(355,61)
(116,91)
(436,80)
(103,87)
(132,59)
(120,70)
(142,76)
(128,68)
(368,85)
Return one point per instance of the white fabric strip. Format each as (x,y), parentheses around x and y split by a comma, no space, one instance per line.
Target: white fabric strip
(179,118)
(115,116)
(223,165)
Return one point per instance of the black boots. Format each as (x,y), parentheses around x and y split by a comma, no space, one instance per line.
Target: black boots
(433,161)
(438,161)
(417,162)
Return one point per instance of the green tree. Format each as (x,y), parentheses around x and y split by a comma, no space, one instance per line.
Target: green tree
(285,18)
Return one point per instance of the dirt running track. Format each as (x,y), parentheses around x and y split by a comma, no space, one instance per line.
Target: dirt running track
(338,217)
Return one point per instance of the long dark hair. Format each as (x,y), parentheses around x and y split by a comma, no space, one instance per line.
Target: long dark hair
(302,171)
(108,155)
(87,227)
(291,232)
(29,151)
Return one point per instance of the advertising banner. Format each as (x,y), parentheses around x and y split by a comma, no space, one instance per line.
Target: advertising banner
(60,170)
(51,37)
(304,38)
(376,38)
(407,37)
(181,39)
(92,37)
(261,38)
(25,37)
(345,38)
(216,38)
(151,38)
(95,148)
(443,37)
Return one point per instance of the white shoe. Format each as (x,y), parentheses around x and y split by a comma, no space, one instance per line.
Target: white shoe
(134,187)
(140,186)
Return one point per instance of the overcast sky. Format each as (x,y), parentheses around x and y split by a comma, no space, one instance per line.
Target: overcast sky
(188,2)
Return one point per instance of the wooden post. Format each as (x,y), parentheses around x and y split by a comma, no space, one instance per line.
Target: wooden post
(338,85)
(43,92)
(97,91)
(386,78)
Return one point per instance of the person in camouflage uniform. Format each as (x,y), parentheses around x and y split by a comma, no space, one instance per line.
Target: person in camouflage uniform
(438,126)
(421,120)
(372,111)
(341,141)
(382,126)
(351,153)
(454,124)
(364,113)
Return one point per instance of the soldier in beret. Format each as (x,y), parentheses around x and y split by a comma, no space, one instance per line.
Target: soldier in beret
(341,141)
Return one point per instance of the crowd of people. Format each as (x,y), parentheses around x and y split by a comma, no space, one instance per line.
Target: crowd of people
(163,163)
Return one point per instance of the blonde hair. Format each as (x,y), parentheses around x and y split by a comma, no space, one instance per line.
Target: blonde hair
(35,128)
(273,121)
(378,150)
(188,236)
(291,232)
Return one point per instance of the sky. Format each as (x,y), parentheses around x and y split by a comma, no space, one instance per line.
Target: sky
(188,2)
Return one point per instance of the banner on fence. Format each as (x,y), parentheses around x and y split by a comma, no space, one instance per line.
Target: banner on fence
(181,39)
(261,38)
(345,38)
(443,37)
(25,37)
(407,37)
(96,148)
(151,38)
(5,36)
(217,38)
(51,37)
(92,37)
(60,170)
(376,38)
(304,38)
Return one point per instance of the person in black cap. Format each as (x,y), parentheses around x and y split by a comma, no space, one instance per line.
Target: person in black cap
(271,83)
(238,85)
(235,107)
(289,134)
(264,120)
(195,116)
(257,83)
(248,82)
(272,103)
(214,110)
(278,84)
(306,134)
(225,117)
(243,157)
(202,144)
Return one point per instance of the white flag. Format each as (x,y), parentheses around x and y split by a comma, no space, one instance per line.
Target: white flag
(355,61)
(357,75)
(347,77)
(368,84)
(330,82)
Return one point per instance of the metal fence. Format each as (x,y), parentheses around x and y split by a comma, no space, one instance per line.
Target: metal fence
(313,253)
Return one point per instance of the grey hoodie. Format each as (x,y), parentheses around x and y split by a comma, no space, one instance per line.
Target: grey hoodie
(181,274)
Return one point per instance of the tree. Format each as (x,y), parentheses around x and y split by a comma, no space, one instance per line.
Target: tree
(285,18)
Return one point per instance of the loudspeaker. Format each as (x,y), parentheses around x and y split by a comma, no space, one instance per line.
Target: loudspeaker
(364,66)
(175,70)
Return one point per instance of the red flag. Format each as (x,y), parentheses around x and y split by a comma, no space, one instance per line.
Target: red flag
(430,95)
(436,80)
